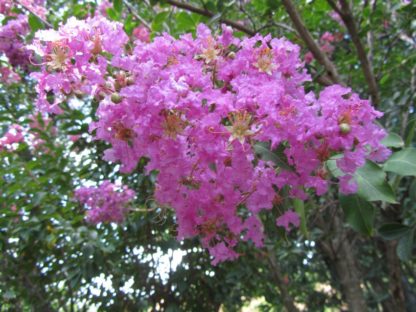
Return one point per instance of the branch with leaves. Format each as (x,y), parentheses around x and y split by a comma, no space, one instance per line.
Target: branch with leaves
(345,12)
(306,36)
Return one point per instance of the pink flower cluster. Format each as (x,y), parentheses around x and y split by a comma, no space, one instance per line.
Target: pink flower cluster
(11,41)
(5,6)
(106,203)
(8,76)
(288,218)
(74,59)
(326,44)
(35,6)
(196,107)
(13,136)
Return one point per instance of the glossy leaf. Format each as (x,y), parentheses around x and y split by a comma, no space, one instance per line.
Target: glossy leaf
(372,183)
(402,162)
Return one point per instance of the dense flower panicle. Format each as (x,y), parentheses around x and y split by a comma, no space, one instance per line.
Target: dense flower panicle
(35,6)
(11,41)
(8,76)
(106,203)
(195,107)
(141,33)
(13,136)
(73,60)
(5,6)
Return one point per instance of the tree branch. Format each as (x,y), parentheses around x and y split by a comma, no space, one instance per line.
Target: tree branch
(132,10)
(346,14)
(191,8)
(306,36)
(47,24)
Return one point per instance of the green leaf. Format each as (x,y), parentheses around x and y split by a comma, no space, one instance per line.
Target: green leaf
(299,206)
(118,6)
(113,14)
(391,231)
(393,140)
(359,213)
(9,294)
(262,149)
(412,190)
(184,22)
(35,23)
(410,131)
(402,162)
(157,24)
(372,184)
(331,165)
(405,246)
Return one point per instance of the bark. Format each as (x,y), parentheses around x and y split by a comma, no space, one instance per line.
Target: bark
(339,250)
(306,36)
(395,276)
(345,11)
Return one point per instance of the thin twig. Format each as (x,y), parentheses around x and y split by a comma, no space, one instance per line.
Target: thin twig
(277,24)
(306,36)
(49,25)
(347,17)
(132,10)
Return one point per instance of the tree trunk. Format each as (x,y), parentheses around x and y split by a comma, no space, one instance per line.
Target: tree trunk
(395,276)
(276,273)
(339,250)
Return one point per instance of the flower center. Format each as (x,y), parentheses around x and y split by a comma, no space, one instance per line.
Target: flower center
(57,58)
(240,126)
(173,125)
(265,62)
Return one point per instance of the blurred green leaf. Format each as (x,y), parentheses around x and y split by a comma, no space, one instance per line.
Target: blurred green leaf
(359,213)
(402,162)
(35,23)
(393,140)
(405,246)
(391,231)
(372,184)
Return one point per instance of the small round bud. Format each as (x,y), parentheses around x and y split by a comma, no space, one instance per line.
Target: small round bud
(130,81)
(116,98)
(231,55)
(345,128)
(108,85)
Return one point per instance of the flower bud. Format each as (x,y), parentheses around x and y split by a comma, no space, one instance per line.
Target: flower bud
(345,128)
(231,55)
(130,81)
(108,85)
(116,98)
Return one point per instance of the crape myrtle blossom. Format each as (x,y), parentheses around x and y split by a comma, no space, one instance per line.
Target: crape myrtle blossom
(11,138)
(288,218)
(12,43)
(8,76)
(195,107)
(107,202)
(72,59)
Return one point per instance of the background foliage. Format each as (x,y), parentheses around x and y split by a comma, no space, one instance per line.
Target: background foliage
(350,248)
